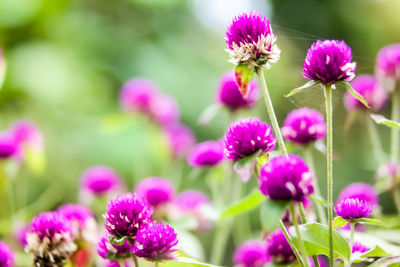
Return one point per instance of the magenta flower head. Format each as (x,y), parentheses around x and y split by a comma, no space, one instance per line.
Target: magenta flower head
(125,214)
(251,253)
(359,247)
(329,62)
(27,136)
(278,248)
(353,208)
(286,178)
(361,191)
(164,109)
(247,136)
(388,62)
(229,94)
(138,94)
(99,180)
(106,250)
(20,234)
(370,89)
(251,41)
(156,190)
(206,154)
(180,139)
(156,242)
(50,239)
(303,126)
(7,258)
(8,145)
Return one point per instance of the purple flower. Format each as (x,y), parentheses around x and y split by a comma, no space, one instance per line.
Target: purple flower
(286,178)
(26,134)
(352,208)
(50,239)
(388,62)
(106,250)
(138,94)
(99,180)
(7,258)
(206,154)
(229,94)
(389,170)
(156,190)
(329,61)
(8,146)
(125,214)
(180,139)
(361,191)
(20,234)
(369,87)
(358,247)
(247,136)
(303,126)
(116,263)
(278,248)
(251,253)
(250,40)
(164,109)
(156,242)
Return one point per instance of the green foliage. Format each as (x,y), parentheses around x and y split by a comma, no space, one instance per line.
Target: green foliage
(354,93)
(272,211)
(379,119)
(254,199)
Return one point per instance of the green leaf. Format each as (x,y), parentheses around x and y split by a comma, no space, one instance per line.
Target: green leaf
(183,260)
(116,241)
(384,262)
(354,93)
(246,204)
(339,222)
(301,88)
(262,160)
(379,119)
(377,251)
(243,76)
(376,240)
(316,240)
(193,261)
(191,245)
(245,166)
(317,199)
(372,222)
(271,212)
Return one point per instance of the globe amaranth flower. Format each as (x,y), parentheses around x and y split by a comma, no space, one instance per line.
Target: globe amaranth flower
(353,208)
(7,258)
(138,94)
(361,191)
(389,170)
(156,190)
(286,178)
(303,126)
(164,109)
(229,95)
(370,89)
(106,250)
(8,146)
(206,154)
(278,248)
(359,247)
(388,62)
(125,214)
(328,62)
(180,139)
(50,239)
(251,41)
(99,180)
(27,136)
(251,253)
(20,232)
(156,242)
(247,136)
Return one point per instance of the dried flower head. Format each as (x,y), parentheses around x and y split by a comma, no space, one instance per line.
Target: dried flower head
(99,180)
(353,208)
(361,191)
(251,253)
(156,190)
(7,258)
(106,250)
(278,248)
(206,154)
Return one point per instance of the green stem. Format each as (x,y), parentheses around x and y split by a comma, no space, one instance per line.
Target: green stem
(290,241)
(304,220)
(297,228)
(136,261)
(270,109)
(156,264)
(395,145)
(219,242)
(317,192)
(329,176)
(352,230)
(396,196)
(375,140)
(242,227)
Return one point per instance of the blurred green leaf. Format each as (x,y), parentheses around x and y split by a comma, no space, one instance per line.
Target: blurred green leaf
(116,123)
(254,199)
(191,245)
(382,120)
(245,166)
(339,222)
(35,160)
(301,88)
(377,251)
(372,222)
(272,212)
(385,262)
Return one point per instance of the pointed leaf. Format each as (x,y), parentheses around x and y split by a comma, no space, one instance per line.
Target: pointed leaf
(354,93)
(377,251)
(272,211)
(301,88)
(243,76)
(372,222)
(245,166)
(339,222)
(254,199)
(208,114)
(384,262)
(382,120)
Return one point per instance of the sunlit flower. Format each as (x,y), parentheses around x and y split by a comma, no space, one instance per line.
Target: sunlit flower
(278,248)
(206,154)
(155,190)
(251,253)
(7,258)
(352,209)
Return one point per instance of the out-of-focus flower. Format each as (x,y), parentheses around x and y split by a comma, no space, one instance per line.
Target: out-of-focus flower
(370,89)
(286,178)
(388,62)
(389,170)
(138,94)
(278,248)
(359,247)
(251,253)
(247,136)
(329,61)
(353,208)
(303,126)
(156,190)
(7,258)
(156,242)
(99,180)
(206,154)
(180,139)
(361,191)
(20,232)
(106,250)
(164,109)
(251,41)
(8,146)
(27,136)
(125,214)
(50,239)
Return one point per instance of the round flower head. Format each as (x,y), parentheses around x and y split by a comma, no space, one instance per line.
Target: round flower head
(278,248)
(156,242)
(180,139)
(156,190)
(106,250)
(7,258)
(125,214)
(251,41)
(352,208)
(99,180)
(388,62)
(8,146)
(206,154)
(358,247)
(50,239)
(361,191)
(371,91)
(286,178)
(26,135)
(164,109)
(247,136)
(229,94)
(138,94)
(329,62)
(252,253)
(303,126)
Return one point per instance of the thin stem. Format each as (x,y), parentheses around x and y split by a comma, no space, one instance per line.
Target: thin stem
(290,241)
(136,261)
(296,226)
(396,196)
(271,112)
(304,220)
(375,140)
(242,227)
(219,242)
(352,230)
(156,264)
(329,174)
(395,145)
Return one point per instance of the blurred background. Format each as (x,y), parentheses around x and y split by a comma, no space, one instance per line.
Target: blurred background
(67,59)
